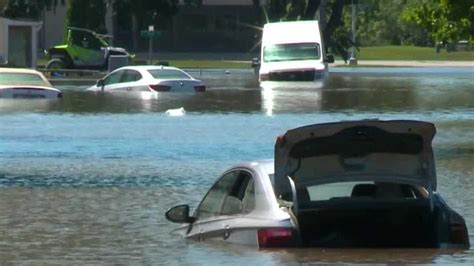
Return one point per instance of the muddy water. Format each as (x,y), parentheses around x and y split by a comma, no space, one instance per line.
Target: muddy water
(87,179)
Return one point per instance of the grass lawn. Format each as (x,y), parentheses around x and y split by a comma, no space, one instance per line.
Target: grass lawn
(184,63)
(411,53)
(208,63)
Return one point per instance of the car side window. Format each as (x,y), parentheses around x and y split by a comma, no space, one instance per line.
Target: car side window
(249,198)
(211,205)
(131,76)
(114,78)
(232,194)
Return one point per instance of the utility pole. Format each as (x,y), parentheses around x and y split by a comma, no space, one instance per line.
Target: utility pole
(353,60)
(151,29)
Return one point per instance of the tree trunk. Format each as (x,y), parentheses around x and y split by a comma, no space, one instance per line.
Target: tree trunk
(334,21)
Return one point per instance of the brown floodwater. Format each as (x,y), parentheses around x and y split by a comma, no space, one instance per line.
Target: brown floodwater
(87,179)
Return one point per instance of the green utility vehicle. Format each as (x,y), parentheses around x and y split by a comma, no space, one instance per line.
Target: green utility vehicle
(84,49)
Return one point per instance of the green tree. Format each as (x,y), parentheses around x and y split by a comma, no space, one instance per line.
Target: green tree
(27,9)
(145,12)
(89,14)
(445,20)
(136,15)
(379,23)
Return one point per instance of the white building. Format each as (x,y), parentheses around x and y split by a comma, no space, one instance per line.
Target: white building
(19,42)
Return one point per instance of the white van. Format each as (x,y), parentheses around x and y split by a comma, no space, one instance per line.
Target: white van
(293,51)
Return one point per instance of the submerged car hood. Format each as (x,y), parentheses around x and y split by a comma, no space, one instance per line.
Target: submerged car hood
(397,150)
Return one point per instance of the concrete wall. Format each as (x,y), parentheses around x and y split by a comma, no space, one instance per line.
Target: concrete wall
(53,26)
(3,40)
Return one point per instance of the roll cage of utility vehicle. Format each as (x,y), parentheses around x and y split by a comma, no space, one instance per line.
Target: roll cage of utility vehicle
(82,49)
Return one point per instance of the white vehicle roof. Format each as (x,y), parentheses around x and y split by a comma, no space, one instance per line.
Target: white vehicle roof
(149,67)
(304,31)
(25,71)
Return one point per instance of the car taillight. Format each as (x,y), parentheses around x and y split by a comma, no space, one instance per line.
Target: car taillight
(275,237)
(264,77)
(160,87)
(281,141)
(458,235)
(200,88)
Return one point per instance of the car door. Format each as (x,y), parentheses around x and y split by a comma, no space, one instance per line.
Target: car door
(129,81)
(221,209)
(112,81)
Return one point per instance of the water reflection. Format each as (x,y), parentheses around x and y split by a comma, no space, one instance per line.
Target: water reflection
(240,92)
(27,105)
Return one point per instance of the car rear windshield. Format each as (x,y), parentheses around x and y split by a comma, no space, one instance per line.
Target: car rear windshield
(25,79)
(357,142)
(291,51)
(348,190)
(168,74)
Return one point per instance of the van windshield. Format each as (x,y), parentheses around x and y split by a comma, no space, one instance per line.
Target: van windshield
(291,52)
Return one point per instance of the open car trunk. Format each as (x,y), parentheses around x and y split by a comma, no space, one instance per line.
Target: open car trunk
(397,224)
(392,203)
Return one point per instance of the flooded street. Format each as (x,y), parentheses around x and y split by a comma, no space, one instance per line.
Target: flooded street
(86,179)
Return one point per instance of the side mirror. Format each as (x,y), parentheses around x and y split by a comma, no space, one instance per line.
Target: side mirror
(330,58)
(255,62)
(179,214)
(100,83)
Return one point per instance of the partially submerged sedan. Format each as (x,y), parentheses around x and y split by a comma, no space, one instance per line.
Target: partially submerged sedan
(148,79)
(366,183)
(25,83)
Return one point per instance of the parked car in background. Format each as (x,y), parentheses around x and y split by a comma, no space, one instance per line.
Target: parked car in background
(148,78)
(83,49)
(366,183)
(25,83)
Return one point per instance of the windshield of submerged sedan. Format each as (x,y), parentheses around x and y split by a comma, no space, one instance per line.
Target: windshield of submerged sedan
(22,79)
(291,52)
(168,74)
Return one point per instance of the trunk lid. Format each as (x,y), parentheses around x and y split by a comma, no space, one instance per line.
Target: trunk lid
(397,150)
(179,84)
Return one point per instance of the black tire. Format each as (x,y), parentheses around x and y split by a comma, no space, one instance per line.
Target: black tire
(55,63)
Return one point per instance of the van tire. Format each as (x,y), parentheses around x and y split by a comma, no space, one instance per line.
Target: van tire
(55,63)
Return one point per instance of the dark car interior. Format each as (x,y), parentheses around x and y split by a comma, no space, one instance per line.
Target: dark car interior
(374,215)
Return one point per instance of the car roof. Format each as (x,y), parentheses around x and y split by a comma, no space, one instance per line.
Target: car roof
(20,71)
(267,165)
(26,71)
(149,67)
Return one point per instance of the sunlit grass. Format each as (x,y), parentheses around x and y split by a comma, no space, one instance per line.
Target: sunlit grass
(411,53)
(209,63)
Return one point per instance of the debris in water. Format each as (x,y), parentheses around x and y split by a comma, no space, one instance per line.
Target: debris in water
(176,112)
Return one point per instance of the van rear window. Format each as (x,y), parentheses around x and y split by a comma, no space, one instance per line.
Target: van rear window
(291,52)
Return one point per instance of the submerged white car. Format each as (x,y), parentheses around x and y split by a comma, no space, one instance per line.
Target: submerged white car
(148,79)
(363,183)
(25,83)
